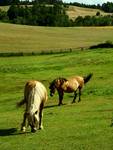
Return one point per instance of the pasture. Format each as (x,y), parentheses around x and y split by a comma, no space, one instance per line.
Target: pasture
(18,38)
(75,11)
(79,126)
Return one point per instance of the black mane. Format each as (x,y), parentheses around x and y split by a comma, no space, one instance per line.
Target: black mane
(62,80)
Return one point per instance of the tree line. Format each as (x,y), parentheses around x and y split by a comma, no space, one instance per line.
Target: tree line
(28,2)
(93,21)
(106,7)
(38,14)
(41,14)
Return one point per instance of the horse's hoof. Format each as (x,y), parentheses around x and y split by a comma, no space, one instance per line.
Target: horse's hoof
(23,129)
(41,128)
(33,130)
(60,104)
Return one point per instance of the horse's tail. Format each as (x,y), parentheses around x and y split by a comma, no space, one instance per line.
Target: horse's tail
(22,102)
(27,92)
(28,95)
(88,77)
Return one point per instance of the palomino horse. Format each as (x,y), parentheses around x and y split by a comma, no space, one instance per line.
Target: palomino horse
(35,96)
(70,85)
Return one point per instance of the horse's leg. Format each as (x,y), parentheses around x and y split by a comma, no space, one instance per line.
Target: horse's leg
(75,95)
(23,125)
(79,95)
(61,94)
(35,124)
(41,116)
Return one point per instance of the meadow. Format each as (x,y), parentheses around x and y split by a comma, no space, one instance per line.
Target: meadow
(79,126)
(18,38)
(75,11)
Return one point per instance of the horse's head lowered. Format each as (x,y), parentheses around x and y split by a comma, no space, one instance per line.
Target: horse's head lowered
(33,121)
(56,84)
(52,87)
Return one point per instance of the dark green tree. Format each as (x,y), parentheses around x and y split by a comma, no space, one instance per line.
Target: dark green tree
(13,12)
(107,7)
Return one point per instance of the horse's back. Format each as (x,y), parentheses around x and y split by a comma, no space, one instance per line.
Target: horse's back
(35,94)
(41,91)
(37,85)
(70,85)
(80,80)
(77,80)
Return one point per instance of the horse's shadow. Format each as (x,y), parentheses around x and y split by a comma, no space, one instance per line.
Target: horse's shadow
(8,132)
(11,131)
(50,106)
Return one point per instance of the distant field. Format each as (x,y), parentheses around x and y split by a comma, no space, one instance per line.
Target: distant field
(4,8)
(21,38)
(74,11)
(79,126)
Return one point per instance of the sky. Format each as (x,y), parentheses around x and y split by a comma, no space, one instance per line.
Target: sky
(89,1)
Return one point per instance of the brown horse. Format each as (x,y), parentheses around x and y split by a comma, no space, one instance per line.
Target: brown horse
(70,85)
(35,96)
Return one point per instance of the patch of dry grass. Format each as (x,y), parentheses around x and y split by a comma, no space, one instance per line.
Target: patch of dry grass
(21,38)
(75,11)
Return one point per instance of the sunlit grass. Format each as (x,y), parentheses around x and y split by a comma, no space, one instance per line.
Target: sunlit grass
(19,38)
(84,125)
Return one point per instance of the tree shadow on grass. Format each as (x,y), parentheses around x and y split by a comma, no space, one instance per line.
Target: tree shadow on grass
(11,131)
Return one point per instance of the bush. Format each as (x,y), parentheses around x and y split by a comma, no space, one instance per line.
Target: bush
(107,44)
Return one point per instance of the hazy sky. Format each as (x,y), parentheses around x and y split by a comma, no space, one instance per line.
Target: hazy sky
(89,1)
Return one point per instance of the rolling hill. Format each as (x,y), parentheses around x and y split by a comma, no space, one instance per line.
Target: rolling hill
(23,38)
(75,11)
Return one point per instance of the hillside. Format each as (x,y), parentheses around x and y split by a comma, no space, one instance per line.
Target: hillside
(75,11)
(21,38)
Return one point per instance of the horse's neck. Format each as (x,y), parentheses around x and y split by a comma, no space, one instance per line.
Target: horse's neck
(60,83)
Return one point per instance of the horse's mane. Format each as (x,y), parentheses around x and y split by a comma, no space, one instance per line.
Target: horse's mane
(62,80)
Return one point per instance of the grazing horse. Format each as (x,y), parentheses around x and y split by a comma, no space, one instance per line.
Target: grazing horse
(70,85)
(35,96)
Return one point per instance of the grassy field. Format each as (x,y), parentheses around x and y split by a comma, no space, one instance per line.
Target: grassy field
(74,11)
(4,8)
(80,126)
(19,38)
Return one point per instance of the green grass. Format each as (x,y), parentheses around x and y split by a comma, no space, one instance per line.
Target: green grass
(20,38)
(80,126)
